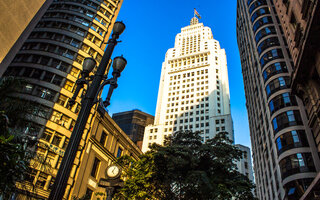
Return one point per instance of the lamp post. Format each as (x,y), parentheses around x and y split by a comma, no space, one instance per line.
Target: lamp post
(87,103)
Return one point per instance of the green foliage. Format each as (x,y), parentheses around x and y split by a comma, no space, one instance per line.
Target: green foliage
(186,168)
(15,157)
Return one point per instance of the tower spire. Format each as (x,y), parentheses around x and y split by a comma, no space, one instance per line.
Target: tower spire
(196,17)
(194,21)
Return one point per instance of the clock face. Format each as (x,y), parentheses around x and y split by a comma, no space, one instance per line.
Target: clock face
(113,171)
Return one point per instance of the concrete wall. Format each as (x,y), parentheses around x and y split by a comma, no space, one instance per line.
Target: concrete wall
(15,16)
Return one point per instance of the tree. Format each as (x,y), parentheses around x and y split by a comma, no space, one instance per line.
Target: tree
(186,168)
(15,157)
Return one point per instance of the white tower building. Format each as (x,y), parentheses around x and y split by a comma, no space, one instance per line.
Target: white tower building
(194,88)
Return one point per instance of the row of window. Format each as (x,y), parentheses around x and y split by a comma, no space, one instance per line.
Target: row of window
(62,26)
(282,101)
(188,61)
(47,61)
(256,4)
(192,80)
(259,12)
(269,30)
(88,3)
(286,119)
(296,163)
(290,140)
(282,82)
(52,36)
(273,69)
(67,16)
(191,85)
(63,120)
(267,43)
(262,21)
(191,90)
(189,74)
(50,48)
(271,55)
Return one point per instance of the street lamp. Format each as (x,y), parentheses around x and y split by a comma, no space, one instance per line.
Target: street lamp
(87,103)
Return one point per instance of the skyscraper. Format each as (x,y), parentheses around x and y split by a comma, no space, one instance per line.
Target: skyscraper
(50,60)
(284,154)
(194,88)
(244,165)
(133,124)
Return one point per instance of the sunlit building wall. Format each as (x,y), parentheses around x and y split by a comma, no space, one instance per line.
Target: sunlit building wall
(194,88)
(17,20)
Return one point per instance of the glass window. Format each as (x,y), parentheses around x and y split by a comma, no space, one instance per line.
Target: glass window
(95,167)
(286,119)
(57,80)
(267,43)
(296,163)
(68,85)
(258,13)
(270,55)
(264,32)
(262,21)
(47,134)
(119,153)
(103,138)
(276,68)
(249,2)
(257,4)
(56,139)
(281,101)
(277,84)
(295,189)
(290,140)
(74,72)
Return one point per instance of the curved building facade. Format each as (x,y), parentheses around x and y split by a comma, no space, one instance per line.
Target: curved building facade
(284,153)
(50,61)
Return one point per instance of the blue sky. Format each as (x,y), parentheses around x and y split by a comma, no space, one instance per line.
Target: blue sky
(151,27)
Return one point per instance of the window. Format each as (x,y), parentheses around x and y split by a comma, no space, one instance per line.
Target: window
(95,167)
(89,193)
(276,68)
(270,55)
(277,84)
(257,4)
(267,43)
(264,32)
(290,140)
(68,85)
(259,13)
(47,134)
(119,153)
(103,138)
(296,163)
(57,80)
(62,100)
(281,101)
(262,21)
(286,119)
(57,139)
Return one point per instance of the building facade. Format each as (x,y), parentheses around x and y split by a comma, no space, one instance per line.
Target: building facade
(244,165)
(133,123)
(194,88)
(17,20)
(50,60)
(104,145)
(284,153)
(300,21)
